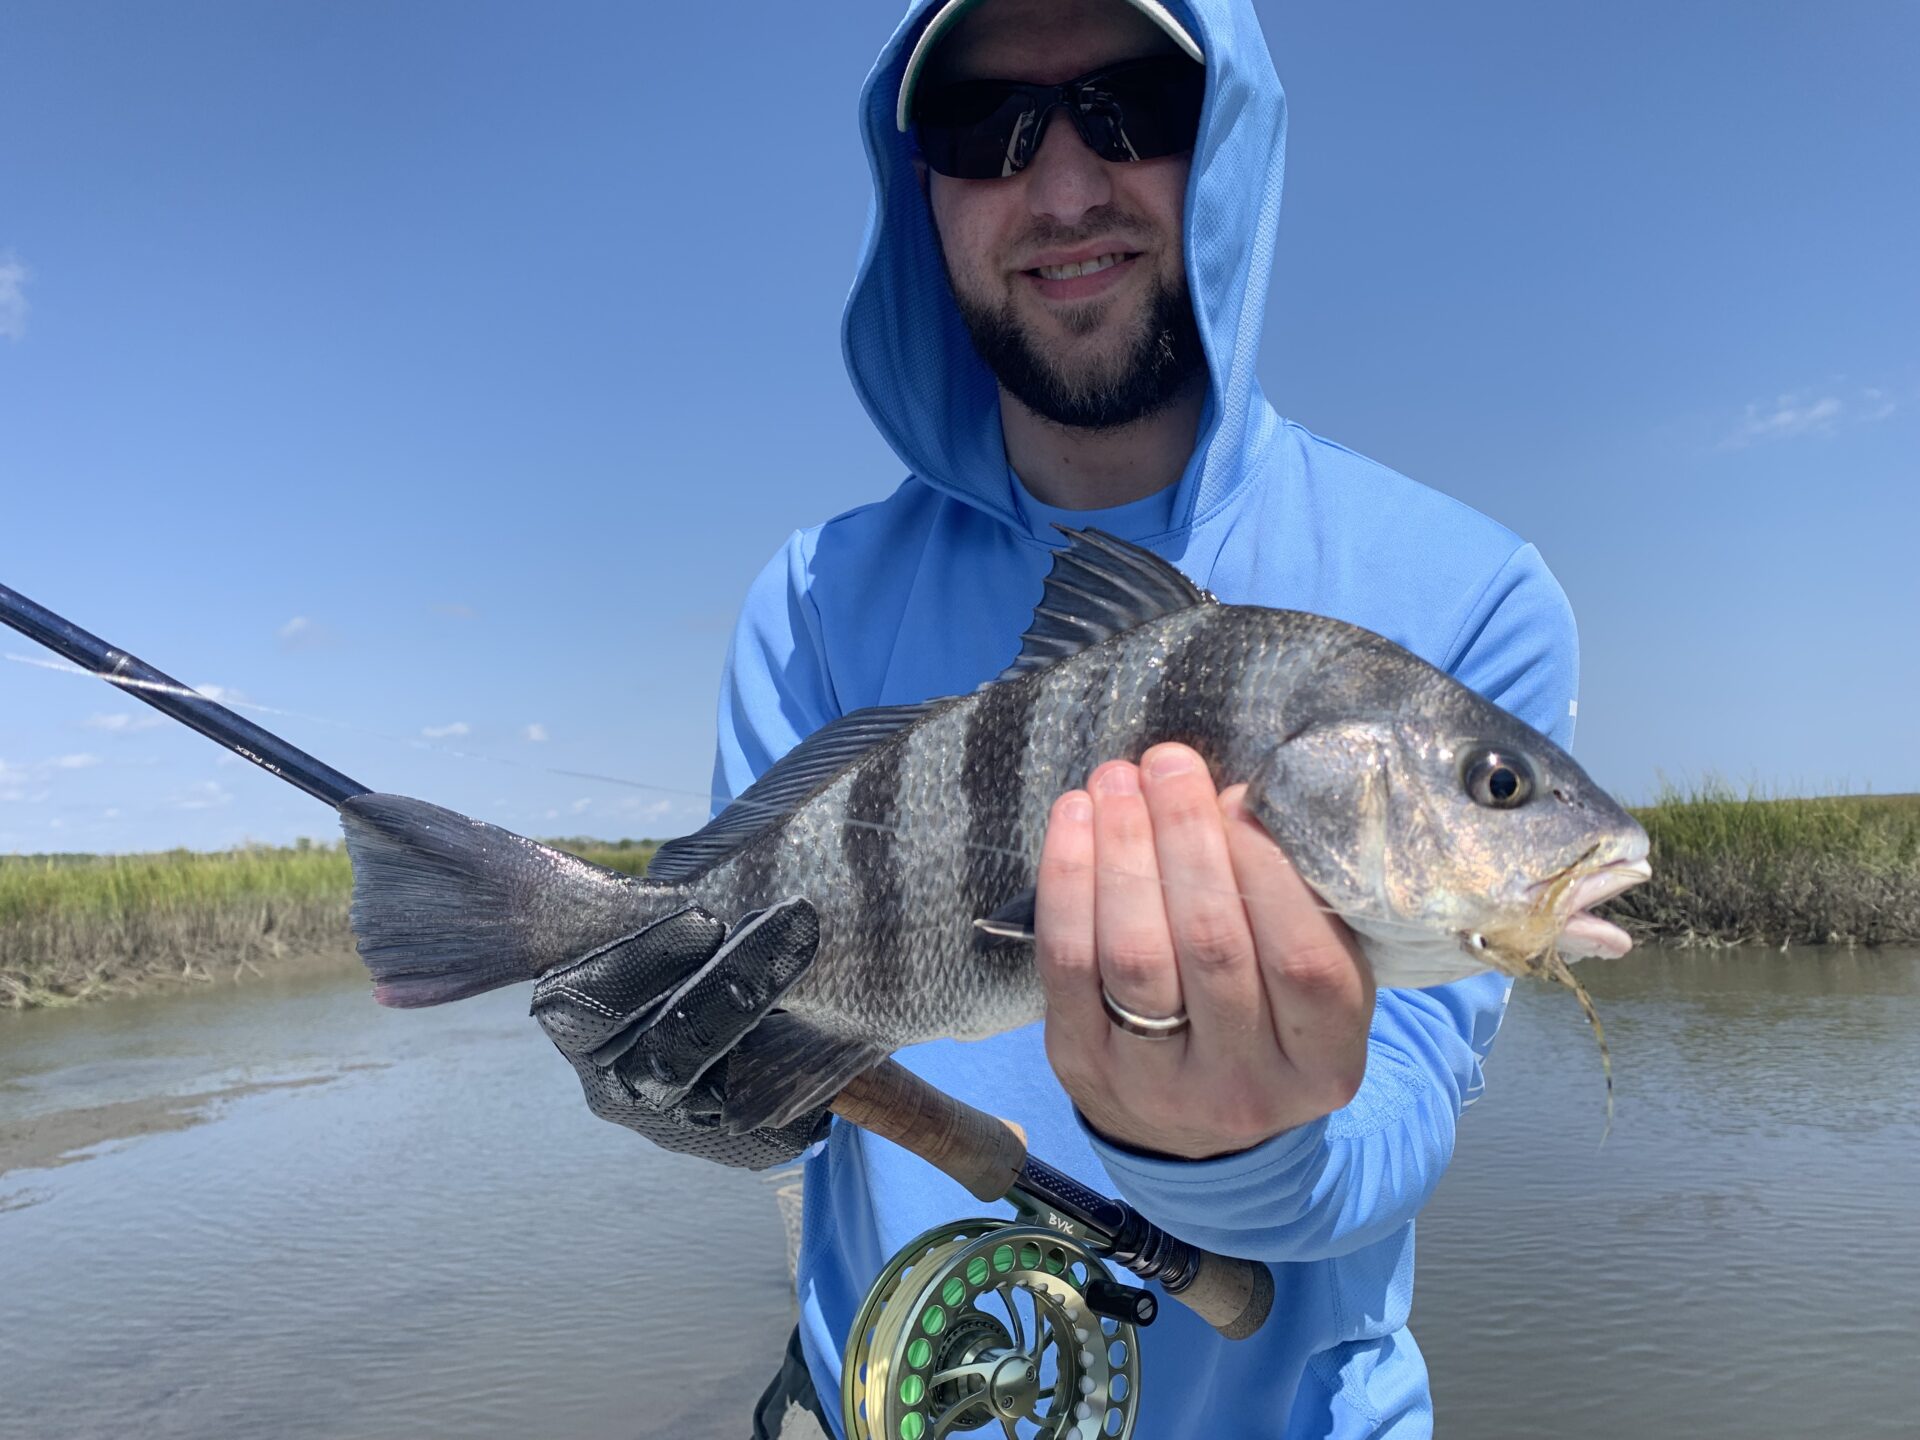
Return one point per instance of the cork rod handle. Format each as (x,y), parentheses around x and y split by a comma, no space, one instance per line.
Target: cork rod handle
(982,1152)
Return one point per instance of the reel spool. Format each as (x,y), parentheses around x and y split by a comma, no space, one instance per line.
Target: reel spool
(991,1323)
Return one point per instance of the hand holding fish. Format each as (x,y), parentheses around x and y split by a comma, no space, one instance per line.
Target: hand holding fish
(649,1022)
(1176,900)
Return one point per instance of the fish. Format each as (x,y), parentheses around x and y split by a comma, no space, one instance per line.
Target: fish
(1451,837)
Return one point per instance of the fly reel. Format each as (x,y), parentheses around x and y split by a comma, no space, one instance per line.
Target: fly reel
(991,1323)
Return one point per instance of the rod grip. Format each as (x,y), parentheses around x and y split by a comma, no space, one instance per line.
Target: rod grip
(1233,1296)
(981,1151)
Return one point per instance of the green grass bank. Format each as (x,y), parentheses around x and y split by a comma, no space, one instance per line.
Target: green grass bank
(1734,870)
(1728,870)
(77,927)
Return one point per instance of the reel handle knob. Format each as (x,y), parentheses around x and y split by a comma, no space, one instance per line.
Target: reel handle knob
(1121,1302)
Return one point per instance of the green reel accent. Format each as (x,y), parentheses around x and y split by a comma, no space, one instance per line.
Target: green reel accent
(983,1323)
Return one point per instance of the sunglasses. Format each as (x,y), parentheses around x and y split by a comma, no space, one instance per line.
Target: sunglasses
(988,129)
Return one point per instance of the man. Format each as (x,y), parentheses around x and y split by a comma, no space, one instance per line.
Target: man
(1055,323)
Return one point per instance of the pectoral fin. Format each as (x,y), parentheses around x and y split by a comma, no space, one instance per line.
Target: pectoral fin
(1011,923)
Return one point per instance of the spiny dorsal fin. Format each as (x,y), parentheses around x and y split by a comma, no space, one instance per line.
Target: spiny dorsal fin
(1098,587)
(788,784)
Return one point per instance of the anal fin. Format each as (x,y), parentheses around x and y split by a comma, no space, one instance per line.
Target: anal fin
(784,1067)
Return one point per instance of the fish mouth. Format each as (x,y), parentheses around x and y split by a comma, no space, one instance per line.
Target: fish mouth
(1584,934)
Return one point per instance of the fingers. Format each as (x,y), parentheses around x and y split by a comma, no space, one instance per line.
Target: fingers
(608,1012)
(726,997)
(1219,977)
(1063,931)
(583,1005)
(1319,988)
(1130,911)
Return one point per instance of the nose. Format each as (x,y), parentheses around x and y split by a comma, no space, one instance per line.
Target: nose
(1064,178)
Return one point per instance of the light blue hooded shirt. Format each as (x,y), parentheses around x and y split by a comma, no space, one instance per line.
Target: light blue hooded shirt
(927,592)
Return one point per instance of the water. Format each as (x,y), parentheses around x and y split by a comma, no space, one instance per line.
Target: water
(1742,1256)
(436,1240)
(405,1224)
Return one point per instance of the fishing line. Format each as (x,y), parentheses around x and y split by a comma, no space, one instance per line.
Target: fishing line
(420,743)
(414,742)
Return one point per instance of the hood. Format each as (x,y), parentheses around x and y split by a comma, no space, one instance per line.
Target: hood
(907,349)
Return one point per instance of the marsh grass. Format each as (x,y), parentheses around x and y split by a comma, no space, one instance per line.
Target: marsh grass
(1728,869)
(73,927)
(1749,869)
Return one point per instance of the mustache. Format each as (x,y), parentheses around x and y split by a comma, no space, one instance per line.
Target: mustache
(1106,222)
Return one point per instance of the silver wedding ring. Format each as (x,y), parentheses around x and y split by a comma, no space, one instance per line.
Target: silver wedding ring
(1147,1027)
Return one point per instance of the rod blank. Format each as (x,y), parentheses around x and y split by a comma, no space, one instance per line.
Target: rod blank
(176,701)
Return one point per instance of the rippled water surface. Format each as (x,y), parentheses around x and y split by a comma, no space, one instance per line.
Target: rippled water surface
(403,1224)
(439,1241)
(1742,1256)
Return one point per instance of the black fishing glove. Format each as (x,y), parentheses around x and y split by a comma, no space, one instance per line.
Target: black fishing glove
(648,1024)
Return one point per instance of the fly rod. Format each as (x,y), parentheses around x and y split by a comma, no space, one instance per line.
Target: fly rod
(986,1155)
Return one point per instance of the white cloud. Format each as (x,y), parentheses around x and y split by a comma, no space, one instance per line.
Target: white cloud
(75,762)
(122,723)
(220,694)
(13,299)
(302,633)
(445,732)
(454,612)
(1786,417)
(536,732)
(207,795)
(1801,413)
(112,812)
(580,807)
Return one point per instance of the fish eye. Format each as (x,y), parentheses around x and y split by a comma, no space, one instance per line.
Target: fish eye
(1497,781)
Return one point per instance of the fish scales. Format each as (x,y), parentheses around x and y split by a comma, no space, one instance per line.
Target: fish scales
(943,824)
(1451,837)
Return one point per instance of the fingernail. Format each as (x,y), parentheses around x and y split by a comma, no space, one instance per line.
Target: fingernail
(1166,761)
(1076,808)
(1119,780)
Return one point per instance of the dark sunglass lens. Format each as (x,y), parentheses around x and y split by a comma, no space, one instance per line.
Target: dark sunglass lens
(1144,110)
(966,103)
(977,130)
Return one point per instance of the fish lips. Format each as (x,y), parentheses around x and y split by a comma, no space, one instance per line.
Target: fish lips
(1585,934)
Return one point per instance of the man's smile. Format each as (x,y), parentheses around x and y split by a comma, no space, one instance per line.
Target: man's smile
(1082,274)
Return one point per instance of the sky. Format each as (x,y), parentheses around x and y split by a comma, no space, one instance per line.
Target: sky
(436,376)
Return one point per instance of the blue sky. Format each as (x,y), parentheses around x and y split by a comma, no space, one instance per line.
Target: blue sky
(439,374)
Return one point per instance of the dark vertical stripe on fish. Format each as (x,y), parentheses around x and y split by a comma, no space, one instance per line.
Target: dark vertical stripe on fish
(993,783)
(1188,702)
(867,835)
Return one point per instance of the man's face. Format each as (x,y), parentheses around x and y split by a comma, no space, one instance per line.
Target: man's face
(1095,349)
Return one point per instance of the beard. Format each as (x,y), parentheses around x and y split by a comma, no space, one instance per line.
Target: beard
(1150,367)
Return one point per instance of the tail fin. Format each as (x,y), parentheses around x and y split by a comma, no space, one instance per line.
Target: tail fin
(445,907)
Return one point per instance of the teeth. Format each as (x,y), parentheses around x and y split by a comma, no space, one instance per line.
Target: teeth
(1085,267)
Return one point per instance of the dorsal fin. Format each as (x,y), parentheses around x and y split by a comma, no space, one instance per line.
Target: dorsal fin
(1099,586)
(788,784)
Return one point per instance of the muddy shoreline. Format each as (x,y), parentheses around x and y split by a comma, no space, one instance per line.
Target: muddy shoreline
(61,1137)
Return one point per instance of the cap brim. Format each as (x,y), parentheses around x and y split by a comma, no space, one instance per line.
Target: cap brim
(949,15)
